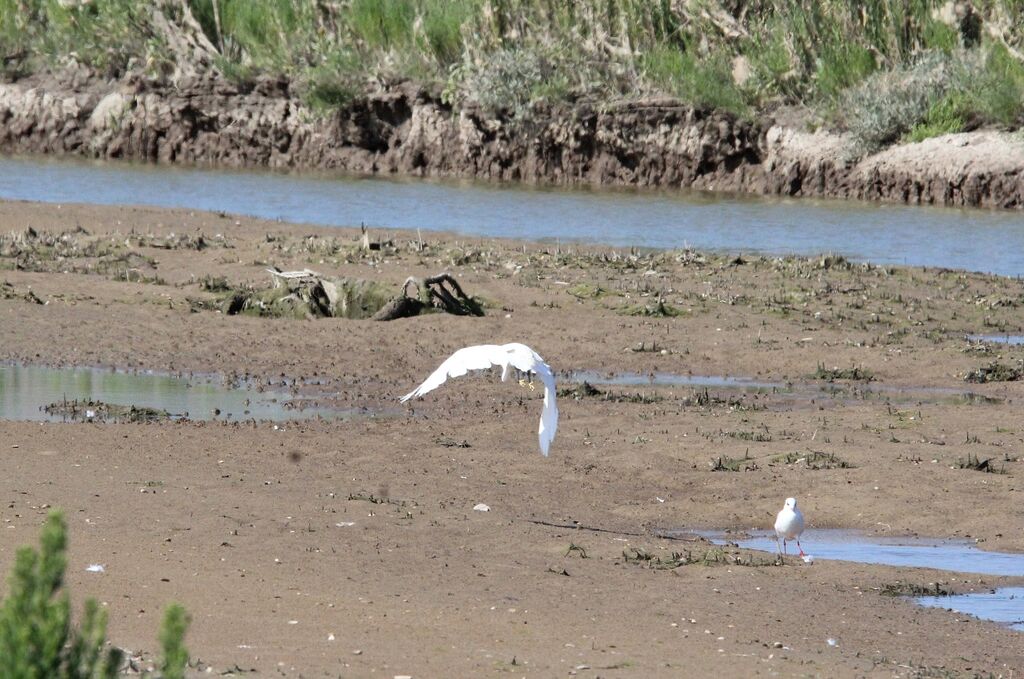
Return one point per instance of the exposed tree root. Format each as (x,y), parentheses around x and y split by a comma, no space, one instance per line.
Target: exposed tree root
(441,292)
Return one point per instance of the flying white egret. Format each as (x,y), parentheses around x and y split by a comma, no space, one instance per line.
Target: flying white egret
(789,524)
(518,356)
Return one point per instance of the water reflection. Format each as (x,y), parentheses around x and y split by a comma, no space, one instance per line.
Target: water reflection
(663,379)
(25,390)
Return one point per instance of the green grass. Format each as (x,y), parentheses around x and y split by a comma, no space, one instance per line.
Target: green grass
(702,82)
(999,94)
(945,116)
(993,91)
(102,33)
(886,70)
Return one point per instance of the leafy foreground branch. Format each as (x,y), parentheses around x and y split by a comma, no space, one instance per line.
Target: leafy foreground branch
(37,640)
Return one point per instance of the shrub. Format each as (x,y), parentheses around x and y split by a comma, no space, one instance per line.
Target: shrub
(940,93)
(889,104)
(334,83)
(505,81)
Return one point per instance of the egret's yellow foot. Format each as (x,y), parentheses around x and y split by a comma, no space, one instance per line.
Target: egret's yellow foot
(524,383)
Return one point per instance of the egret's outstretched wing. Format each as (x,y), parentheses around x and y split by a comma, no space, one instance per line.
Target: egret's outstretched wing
(549,415)
(458,364)
(525,359)
(481,357)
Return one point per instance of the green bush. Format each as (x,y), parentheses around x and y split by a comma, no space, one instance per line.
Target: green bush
(334,83)
(442,22)
(37,640)
(945,116)
(702,82)
(383,24)
(999,93)
(102,33)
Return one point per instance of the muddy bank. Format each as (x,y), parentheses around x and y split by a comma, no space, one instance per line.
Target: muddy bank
(407,130)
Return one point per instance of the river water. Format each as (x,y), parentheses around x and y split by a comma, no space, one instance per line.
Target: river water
(977,240)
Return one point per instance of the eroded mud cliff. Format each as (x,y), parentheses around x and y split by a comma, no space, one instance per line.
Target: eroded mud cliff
(407,130)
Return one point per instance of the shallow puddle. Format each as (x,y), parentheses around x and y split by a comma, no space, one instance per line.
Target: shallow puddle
(843,545)
(849,393)
(1012,340)
(907,394)
(662,379)
(1004,605)
(26,391)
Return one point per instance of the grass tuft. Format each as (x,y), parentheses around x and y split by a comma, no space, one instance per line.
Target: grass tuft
(973,463)
(725,463)
(856,373)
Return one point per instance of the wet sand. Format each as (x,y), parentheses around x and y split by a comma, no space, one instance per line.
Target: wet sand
(351,548)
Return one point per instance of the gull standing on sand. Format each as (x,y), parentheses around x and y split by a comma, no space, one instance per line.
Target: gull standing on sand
(518,356)
(789,524)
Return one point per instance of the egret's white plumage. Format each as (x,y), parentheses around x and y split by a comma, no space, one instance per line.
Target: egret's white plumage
(514,355)
(789,524)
